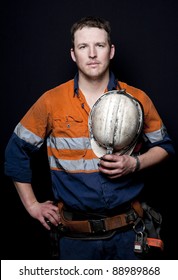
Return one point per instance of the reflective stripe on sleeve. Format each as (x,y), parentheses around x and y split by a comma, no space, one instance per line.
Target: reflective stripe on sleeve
(28,136)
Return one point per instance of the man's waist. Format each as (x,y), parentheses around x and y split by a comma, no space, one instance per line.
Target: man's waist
(81,214)
(92,222)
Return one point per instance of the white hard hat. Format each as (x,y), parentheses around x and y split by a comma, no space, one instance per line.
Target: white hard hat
(115,123)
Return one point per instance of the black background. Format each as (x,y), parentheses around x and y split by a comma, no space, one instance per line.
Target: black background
(35,56)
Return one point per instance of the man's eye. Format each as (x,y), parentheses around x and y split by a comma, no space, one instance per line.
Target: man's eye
(82,47)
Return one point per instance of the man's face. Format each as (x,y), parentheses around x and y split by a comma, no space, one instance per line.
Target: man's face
(92,52)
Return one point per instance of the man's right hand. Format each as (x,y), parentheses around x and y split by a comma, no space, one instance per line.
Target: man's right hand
(45,212)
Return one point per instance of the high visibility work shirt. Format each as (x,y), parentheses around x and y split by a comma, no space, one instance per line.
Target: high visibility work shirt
(60,116)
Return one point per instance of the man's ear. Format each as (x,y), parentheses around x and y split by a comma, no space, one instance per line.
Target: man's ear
(112,52)
(72,53)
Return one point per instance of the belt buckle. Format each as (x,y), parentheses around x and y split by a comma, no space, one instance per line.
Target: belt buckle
(97,226)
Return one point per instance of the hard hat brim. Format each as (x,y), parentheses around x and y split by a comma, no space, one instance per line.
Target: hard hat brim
(101,151)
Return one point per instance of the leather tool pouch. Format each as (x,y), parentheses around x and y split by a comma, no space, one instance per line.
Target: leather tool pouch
(148,230)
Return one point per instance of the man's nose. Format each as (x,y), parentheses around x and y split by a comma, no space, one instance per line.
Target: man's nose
(92,52)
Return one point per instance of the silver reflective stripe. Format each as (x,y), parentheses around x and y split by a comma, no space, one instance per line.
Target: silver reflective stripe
(73,165)
(28,136)
(157,135)
(68,143)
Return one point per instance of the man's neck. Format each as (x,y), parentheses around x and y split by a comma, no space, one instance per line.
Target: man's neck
(93,88)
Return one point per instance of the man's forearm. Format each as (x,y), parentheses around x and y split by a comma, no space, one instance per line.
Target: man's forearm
(26,194)
(152,157)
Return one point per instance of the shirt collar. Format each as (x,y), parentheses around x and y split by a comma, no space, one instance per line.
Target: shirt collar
(112,85)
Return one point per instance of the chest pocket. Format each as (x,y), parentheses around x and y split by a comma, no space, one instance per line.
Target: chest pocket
(70,136)
(70,126)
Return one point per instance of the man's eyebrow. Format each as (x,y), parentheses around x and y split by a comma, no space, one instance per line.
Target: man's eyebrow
(98,42)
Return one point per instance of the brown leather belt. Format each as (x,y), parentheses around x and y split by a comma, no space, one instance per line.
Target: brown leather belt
(103,224)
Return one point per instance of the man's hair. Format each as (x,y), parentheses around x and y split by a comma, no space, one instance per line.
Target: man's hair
(91,21)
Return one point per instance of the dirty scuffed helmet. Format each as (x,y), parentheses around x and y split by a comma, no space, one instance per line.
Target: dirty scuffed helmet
(115,123)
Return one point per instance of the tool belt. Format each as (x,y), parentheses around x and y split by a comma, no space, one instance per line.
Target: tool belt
(99,226)
(140,217)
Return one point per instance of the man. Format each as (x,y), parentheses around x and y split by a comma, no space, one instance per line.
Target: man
(93,190)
